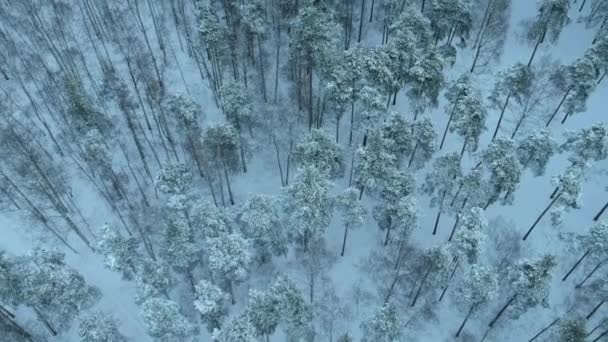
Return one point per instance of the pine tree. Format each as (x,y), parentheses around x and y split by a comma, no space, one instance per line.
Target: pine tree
(153,280)
(441,181)
(296,315)
(97,326)
(529,282)
(374,163)
(535,150)
(237,105)
(308,204)
(209,220)
(425,79)
(384,326)
(501,162)
(551,18)
(395,208)
(451,18)
(398,132)
(210,301)
(425,143)
(588,144)
(164,322)
(492,32)
(239,329)
(469,240)
(477,288)
(120,254)
(321,152)
(229,260)
(353,212)
(514,83)
(57,305)
(263,312)
(572,330)
(174,179)
(260,221)
(224,147)
(594,244)
(469,121)
(458,90)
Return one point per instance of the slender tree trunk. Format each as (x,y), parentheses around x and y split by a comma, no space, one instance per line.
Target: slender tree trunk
(231,292)
(541,216)
(559,106)
(543,330)
(277,65)
(46,323)
(361,192)
(466,319)
(361,20)
(447,285)
(310,98)
(409,163)
(483,25)
(262,74)
(576,265)
(502,113)
(352,116)
(439,212)
(422,282)
(344,240)
(464,203)
(9,318)
(597,267)
(600,336)
(388,233)
(228,183)
(276,149)
(595,308)
(580,9)
(421,6)
(447,126)
(554,192)
(371,12)
(502,311)
(601,212)
(538,42)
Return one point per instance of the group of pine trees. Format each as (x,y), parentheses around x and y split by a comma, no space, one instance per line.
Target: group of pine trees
(154,117)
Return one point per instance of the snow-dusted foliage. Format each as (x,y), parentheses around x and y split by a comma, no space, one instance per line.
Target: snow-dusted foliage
(208,219)
(153,279)
(570,187)
(425,142)
(384,326)
(174,179)
(263,312)
(186,109)
(479,286)
(470,120)
(353,211)
(529,281)
(239,329)
(308,204)
(535,150)
(98,326)
(374,162)
(572,330)
(469,240)
(229,258)
(210,301)
(164,322)
(504,171)
(259,218)
(442,179)
(296,315)
(120,253)
(551,18)
(398,132)
(320,151)
(588,144)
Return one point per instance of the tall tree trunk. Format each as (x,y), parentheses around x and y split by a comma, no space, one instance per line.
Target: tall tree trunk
(597,267)
(466,319)
(277,65)
(361,20)
(538,42)
(388,233)
(422,282)
(541,216)
(464,203)
(600,336)
(447,285)
(580,9)
(599,214)
(276,149)
(559,106)
(595,308)
(344,240)
(543,330)
(439,211)
(502,113)
(576,265)
(46,323)
(228,183)
(502,311)
(371,11)
(409,163)
(447,126)
(262,74)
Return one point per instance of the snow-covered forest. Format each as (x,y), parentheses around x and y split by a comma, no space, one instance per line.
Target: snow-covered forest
(303,170)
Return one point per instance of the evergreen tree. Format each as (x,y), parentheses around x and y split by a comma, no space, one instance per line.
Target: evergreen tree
(594,244)
(535,150)
(353,212)
(164,322)
(477,289)
(308,204)
(572,330)
(501,162)
(425,79)
(229,260)
(375,162)
(514,83)
(174,179)
(263,312)
(469,240)
(260,222)
(458,91)
(441,181)
(469,121)
(296,315)
(321,152)
(97,326)
(399,133)
(224,147)
(209,220)
(153,279)
(239,329)
(451,18)
(120,254)
(551,18)
(210,302)
(384,326)
(425,143)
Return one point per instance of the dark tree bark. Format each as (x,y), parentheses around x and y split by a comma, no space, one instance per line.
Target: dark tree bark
(502,311)
(601,212)
(541,216)
(466,319)
(576,265)
(361,21)
(597,267)
(502,113)
(595,308)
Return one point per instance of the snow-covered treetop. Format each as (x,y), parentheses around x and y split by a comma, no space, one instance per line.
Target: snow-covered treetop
(398,131)
(164,321)
(259,220)
(374,162)
(320,150)
(470,238)
(253,14)
(211,27)
(222,143)
(478,286)
(384,326)
(397,185)
(9,280)
(209,300)
(588,144)
(515,81)
(97,326)
(444,175)
(239,329)
(551,18)
(530,280)
(174,178)
(208,219)
(308,202)
(425,79)
(185,109)
(312,35)
(572,330)
(120,253)
(404,217)
(425,141)
(153,279)
(535,150)
(370,106)
(352,209)
(470,120)
(237,103)
(263,312)
(229,256)
(451,15)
